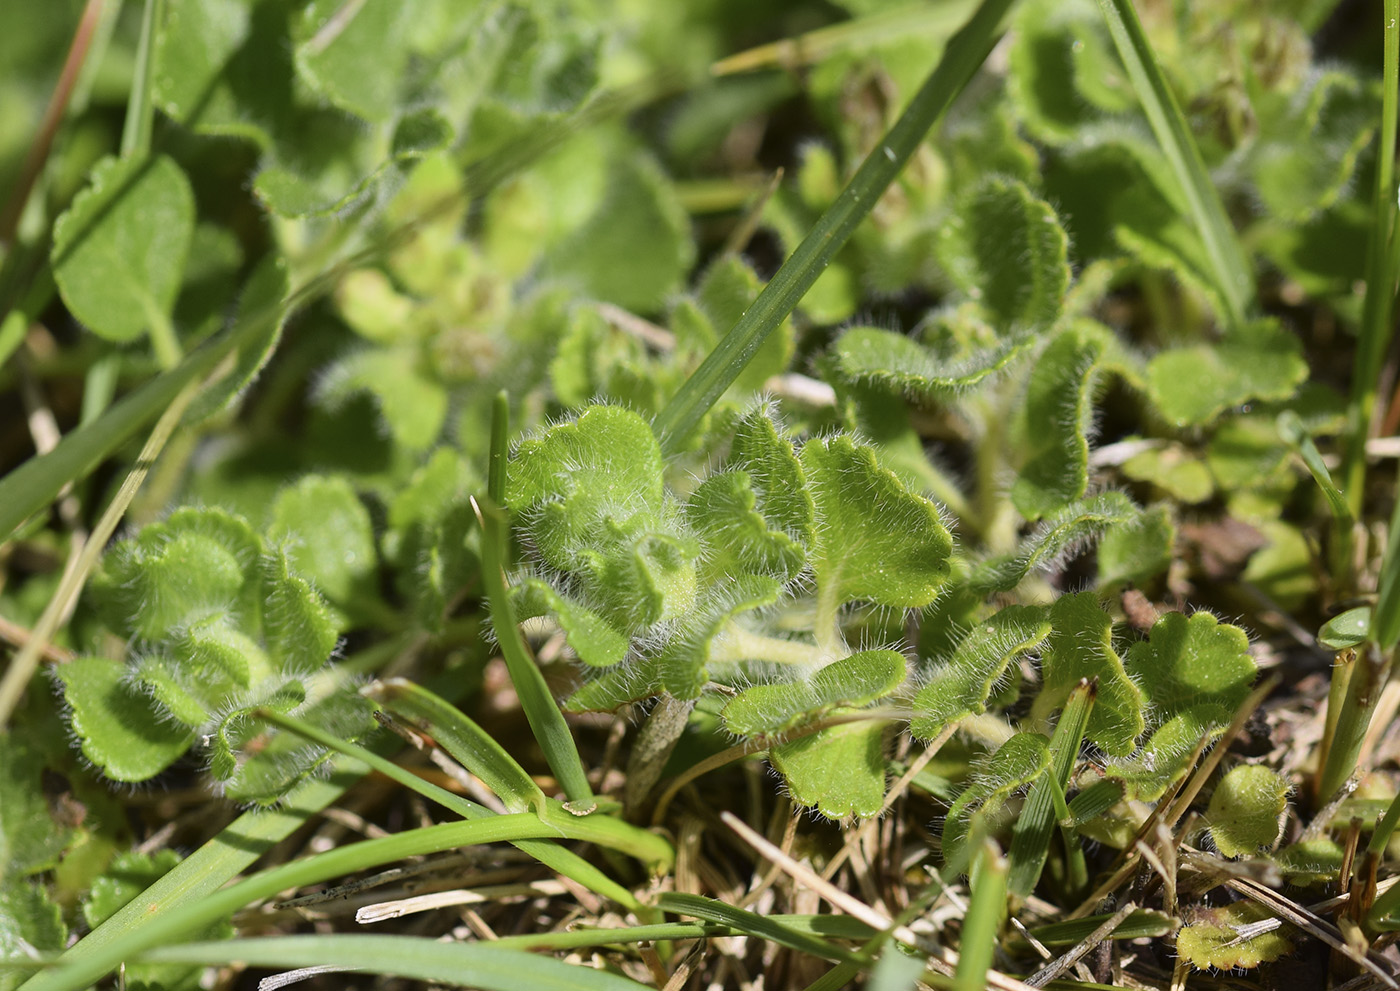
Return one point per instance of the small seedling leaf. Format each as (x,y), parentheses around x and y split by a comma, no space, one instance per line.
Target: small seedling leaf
(1246,811)
(121,729)
(881,357)
(1056,537)
(592,638)
(1351,629)
(119,250)
(1139,551)
(1244,934)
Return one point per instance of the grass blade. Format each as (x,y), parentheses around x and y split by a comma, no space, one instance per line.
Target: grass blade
(468,743)
(1227,260)
(139,934)
(140,111)
(1369,672)
(542,712)
(1381,263)
(1030,840)
(749,923)
(965,53)
(488,966)
(982,924)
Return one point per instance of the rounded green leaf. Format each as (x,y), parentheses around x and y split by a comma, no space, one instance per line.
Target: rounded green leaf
(1351,629)
(839,770)
(121,729)
(1194,384)
(1244,934)
(119,250)
(326,533)
(1247,809)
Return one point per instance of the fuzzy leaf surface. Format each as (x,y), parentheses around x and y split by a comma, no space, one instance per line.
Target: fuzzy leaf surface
(122,729)
(1057,417)
(839,770)
(1246,810)
(855,680)
(1081,647)
(874,539)
(961,686)
(1057,536)
(327,535)
(869,354)
(1016,764)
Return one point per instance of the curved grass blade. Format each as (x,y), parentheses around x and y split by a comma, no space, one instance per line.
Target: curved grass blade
(140,934)
(477,965)
(749,923)
(966,52)
(542,712)
(1227,260)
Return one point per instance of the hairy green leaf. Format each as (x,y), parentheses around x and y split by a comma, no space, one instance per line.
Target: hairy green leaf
(1081,647)
(839,770)
(592,638)
(868,354)
(29,922)
(121,728)
(961,685)
(1006,249)
(1056,537)
(1017,763)
(1246,810)
(851,681)
(1057,417)
(326,533)
(1231,936)
(873,539)
(1137,551)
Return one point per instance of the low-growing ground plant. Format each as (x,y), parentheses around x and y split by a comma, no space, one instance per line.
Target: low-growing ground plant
(856,494)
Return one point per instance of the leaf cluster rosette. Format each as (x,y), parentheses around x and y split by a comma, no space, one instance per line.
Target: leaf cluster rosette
(220,623)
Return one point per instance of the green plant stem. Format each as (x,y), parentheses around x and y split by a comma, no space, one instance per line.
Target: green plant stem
(1368,676)
(966,52)
(26,662)
(541,711)
(738,644)
(168,927)
(140,110)
(1379,301)
(1227,261)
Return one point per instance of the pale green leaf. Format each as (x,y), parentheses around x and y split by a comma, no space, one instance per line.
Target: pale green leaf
(355,54)
(411,400)
(961,685)
(681,663)
(839,770)
(298,628)
(1057,416)
(873,539)
(723,511)
(1081,647)
(119,250)
(1173,468)
(1227,937)
(121,729)
(1005,248)
(855,680)
(775,473)
(325,531)
(1246,810)
(1192,385)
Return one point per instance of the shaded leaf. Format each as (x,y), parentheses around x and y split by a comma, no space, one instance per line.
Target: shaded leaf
(29,923)
(1192,385)
(839,770)
(868,354)
(121,729)
(592,638)
(1057,416)
(1017,763)
(325,531)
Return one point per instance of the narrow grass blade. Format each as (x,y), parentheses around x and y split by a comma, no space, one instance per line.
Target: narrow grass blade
(1382,259)
(748,923)
(140,932)
(488,966)
(1387,609)
(1030,840)
(468,743)
(542,712)
(966,52)
(1291,429)
(982,924)
(35,484)
(1227,260)
(140,111)
(601,830)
